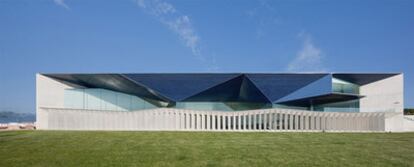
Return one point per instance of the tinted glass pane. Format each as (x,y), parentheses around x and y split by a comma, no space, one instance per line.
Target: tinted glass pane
(341,86)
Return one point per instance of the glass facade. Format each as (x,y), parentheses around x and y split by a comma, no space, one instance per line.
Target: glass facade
(102,99)
(289,107)
(347,106)
(340,86)
(222,106)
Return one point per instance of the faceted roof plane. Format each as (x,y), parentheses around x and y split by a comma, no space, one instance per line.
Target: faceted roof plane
(226,87)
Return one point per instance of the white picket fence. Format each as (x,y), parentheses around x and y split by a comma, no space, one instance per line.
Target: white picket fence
(170,119)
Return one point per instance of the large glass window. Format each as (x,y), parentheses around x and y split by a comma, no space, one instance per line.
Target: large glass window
(289,107)
(347,106)
(102,99)
(340,86)
(221,106)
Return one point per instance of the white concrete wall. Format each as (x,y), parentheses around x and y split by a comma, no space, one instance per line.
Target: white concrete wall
(49,93)
(394,122)
(408,123)
(166,119)
(386,94)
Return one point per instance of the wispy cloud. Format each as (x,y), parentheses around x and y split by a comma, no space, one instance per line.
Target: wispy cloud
(62,4)
(309,58)
(182,26)
(179,23)
(265,17)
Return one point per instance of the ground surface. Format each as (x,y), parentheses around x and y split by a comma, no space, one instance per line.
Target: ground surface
(70,148)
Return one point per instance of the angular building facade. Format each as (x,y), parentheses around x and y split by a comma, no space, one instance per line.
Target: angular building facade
(221,101)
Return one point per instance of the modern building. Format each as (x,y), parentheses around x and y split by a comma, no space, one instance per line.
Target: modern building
(221,101)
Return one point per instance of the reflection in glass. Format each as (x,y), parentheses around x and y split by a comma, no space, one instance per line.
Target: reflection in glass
(340,86)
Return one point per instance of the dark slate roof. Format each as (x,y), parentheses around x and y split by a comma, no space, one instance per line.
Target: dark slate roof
(321,99)
(276,86)
(315,88)
(237,89)
(363,78)
(227,87)
(180,86)
(113,82)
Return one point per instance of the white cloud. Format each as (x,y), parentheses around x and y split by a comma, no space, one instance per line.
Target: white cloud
(62,4)
(265,17)
(180,24)
(309,57)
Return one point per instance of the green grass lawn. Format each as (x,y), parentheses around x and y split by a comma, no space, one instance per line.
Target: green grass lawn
(73,148)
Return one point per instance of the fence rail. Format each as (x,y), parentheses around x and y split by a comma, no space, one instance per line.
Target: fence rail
(169,119)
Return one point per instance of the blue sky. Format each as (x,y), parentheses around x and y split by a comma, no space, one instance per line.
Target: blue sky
(200,36)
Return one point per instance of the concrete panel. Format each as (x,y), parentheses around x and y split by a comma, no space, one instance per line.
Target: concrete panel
(408,123)
(383,95)
(49,93)
(394,122)
(170,119)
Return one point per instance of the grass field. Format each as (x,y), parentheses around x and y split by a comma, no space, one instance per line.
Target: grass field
(70,148)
